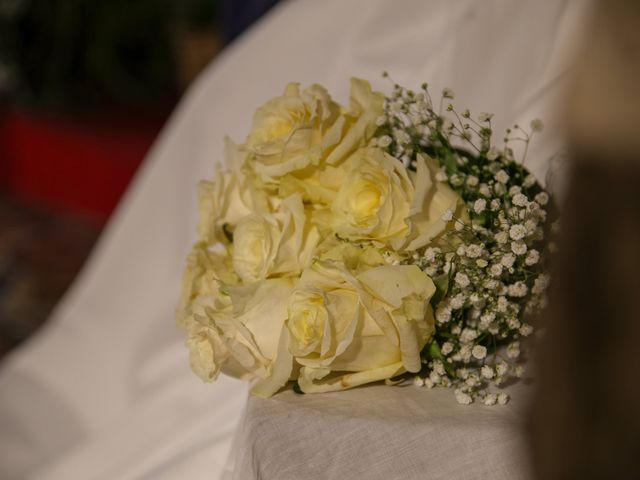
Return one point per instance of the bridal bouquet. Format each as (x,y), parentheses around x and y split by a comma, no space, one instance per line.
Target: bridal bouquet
(388,240)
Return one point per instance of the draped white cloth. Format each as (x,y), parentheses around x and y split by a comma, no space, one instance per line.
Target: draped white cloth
(104,391)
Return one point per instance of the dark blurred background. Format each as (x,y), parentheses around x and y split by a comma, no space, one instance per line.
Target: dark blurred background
(85,87)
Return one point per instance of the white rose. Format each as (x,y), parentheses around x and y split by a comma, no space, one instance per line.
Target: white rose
(431,200)
(374,200)
(274,244)
(229,196)
(300,129)
(372,324)
(243,335)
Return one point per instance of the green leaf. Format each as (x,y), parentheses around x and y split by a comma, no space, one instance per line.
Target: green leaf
(435,353)
(480,218)
(442,286)
(434,350)
(297,389)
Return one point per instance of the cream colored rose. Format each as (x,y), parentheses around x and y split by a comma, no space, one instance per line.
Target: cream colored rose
(274,244)
(431,200)
(348,329)
(381,201)
(291,132)
(374,200)
(201,278)
(365,106)
(207,351)
(302,129)
(240,333)
(232,194)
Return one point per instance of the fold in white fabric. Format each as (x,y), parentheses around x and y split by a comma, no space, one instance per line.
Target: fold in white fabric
(104,390)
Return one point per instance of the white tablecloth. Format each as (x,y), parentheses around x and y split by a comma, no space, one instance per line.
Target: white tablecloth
(103,391)
(381,433)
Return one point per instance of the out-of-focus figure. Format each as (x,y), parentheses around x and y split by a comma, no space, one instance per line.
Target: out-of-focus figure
(586,420)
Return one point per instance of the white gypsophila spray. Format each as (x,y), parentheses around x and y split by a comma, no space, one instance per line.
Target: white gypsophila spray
(489,269)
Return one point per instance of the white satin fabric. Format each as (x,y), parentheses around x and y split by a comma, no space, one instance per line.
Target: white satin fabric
(104,391)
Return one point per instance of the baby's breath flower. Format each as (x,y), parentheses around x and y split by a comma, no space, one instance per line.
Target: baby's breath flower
(446,268)
(499,189)
(438,367)
(519,248)
(502,237)
(462,397)
(542,198)
(496,269)
(493,154)
(462,279)
(418,382)
(474,251)
(540,284)
(479,352)
(490,399)
(441,176)
(479,205)
(501,368)
(513,350)
(476,300)
(486,319)
(520,200)
(472,381)
(468,335)
(533,257)
(518,289)
(447,216)
(537,125)
(431,270)
(456,180)
(487,372)
(501,176)
(529,181)
(502,304)
(526,330)
(531,225)
(430,253)
(443,314)
(508,260)
(491,284)
(514,190)
(517,232)
(513,323)
(457,302)
(485,117)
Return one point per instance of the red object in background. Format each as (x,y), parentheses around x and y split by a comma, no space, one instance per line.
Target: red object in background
(82,168)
